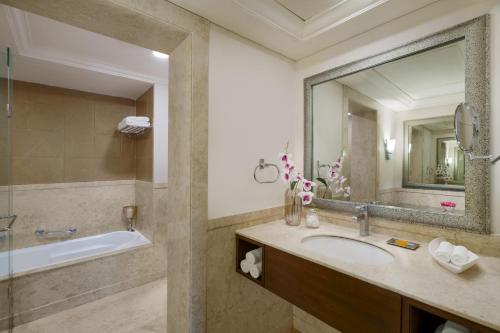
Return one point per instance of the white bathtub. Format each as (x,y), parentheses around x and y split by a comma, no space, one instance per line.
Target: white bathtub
(42,256)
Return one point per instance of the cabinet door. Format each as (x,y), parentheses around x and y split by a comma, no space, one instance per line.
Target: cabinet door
(345,303)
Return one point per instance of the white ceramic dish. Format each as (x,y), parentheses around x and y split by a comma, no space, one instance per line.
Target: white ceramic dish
(433,245)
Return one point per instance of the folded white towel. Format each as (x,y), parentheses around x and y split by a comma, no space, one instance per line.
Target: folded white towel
(256,270)
(444,251)
(134,121)
(254,256)
(245,266)
(452,327)
(137,119)
(460,255)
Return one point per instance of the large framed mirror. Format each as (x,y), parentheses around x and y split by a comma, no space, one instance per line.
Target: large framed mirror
(380,131)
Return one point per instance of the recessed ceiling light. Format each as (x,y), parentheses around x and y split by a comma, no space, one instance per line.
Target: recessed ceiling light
(160,55)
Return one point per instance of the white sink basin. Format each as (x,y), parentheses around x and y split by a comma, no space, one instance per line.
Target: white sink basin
(348,250)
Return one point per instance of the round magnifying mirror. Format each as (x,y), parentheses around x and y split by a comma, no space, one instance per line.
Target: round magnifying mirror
(466,126)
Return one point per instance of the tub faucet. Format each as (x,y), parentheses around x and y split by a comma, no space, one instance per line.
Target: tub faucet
(360,215)
(130,213)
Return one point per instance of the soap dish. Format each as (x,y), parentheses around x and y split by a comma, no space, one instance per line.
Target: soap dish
(433,245)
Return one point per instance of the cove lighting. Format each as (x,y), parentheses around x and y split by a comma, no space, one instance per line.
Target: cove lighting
(160,55)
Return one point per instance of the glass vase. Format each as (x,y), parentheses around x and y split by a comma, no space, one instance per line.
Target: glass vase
(293,208)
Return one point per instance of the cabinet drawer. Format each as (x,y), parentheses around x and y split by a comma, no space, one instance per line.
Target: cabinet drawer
(348,304)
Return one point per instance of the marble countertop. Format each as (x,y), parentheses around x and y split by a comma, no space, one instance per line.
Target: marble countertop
(473,294)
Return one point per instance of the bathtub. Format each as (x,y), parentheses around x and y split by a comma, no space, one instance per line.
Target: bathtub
(54,254)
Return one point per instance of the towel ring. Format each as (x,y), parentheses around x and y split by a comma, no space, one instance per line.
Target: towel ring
(262,165)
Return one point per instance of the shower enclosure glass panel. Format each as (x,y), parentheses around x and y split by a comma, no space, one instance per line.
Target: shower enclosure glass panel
(6,215)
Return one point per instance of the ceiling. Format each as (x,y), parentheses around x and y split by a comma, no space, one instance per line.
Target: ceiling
(428,79)
(53,53)
(299,28)
(441,126)
(307,9)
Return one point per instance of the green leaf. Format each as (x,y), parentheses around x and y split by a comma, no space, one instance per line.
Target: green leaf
(293,184)
(322,181)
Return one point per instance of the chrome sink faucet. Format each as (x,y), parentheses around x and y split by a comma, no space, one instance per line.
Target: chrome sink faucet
(360,215)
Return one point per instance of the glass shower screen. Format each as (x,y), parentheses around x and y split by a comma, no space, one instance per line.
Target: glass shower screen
(6,215)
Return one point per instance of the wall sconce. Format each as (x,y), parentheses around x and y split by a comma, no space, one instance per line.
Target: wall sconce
(389,146)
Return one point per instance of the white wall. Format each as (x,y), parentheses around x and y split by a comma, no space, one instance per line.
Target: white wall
(251,116)
(429,20)
(160,142)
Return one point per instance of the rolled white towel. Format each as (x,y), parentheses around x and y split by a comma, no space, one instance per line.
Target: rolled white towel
(254,256)
(141,119)
(460,255)
(245,266)
(256,270)
(444,251)
(452,327)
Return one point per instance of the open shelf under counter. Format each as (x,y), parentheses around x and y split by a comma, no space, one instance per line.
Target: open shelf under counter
(244,245)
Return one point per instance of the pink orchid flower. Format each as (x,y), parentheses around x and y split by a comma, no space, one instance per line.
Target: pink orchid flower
(289,166)
(306,197)
(285,157)
(308,185)
(285,177)
(333,173)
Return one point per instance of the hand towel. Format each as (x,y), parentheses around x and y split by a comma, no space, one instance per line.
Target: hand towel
(254,256)
(460,255)
(256,270)
(452,327)
(245,266)
(444,251)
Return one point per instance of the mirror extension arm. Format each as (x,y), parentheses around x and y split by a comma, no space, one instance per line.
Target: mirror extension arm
(473,157)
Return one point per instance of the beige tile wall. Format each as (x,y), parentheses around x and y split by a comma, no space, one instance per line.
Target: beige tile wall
(61,135)
(235,304)
(91,207)
(144,143)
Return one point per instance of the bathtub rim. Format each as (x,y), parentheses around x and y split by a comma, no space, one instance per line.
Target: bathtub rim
(71,262)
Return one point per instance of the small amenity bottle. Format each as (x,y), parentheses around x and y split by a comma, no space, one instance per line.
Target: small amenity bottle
(312,219)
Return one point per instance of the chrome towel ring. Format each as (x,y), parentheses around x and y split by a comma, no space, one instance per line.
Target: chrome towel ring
(262,165)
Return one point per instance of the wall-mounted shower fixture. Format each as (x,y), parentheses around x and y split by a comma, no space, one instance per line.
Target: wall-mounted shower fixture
(3,233)
(68,233)
(262,165)
(130,213)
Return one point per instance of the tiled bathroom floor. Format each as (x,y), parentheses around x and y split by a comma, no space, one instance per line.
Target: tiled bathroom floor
(139,310)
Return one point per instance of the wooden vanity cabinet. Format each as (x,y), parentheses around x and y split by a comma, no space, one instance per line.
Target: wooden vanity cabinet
(350,305)
(342,301)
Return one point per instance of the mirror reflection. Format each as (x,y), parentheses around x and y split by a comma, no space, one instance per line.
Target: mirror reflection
(432,155)
(386,134)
